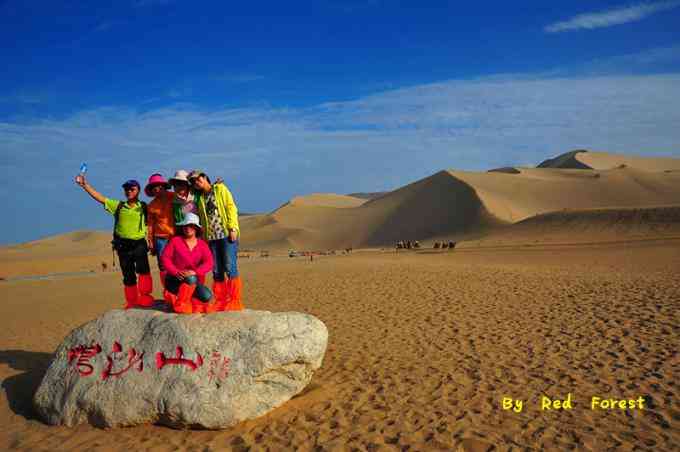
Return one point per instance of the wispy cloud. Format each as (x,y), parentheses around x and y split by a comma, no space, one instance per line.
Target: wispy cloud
(611,17)
(373,143)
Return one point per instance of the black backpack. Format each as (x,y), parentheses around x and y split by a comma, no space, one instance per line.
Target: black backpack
(116,243)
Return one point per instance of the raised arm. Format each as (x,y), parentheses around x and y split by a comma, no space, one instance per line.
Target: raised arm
(80,180)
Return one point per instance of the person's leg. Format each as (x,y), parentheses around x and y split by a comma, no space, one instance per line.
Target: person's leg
(145,284)
(218,250)
(186,291)
(127,267)
(234,282)
(159,245)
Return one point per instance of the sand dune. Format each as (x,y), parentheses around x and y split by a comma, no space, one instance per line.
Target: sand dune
(581,226)
(583,159)
(457,205)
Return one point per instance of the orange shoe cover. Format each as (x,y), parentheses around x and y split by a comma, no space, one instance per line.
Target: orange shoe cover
(169,297)
(145,286)
(234,295)
(183,302)
(130,296)
(220,293)
(197,306)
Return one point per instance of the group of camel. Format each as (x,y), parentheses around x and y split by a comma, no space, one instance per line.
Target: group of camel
(407,245)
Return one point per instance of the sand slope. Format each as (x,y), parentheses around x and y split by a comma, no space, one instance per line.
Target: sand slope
(583,159)
(462,205)
(422,349)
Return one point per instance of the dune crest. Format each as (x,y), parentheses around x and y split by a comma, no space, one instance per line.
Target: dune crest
(584,159)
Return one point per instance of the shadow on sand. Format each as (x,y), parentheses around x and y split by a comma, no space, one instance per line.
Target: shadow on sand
(20,388)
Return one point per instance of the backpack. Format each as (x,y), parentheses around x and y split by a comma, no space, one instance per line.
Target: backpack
(116,243)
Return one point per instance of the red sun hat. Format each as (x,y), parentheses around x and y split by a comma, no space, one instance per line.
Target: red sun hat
(155,179)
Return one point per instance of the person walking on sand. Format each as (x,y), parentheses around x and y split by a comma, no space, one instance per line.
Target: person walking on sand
(187,260)
(129,240)
(219,219)
(161,221)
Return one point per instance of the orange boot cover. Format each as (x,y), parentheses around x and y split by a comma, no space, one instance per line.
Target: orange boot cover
(163,274)
(145,286)
(170,298)
(234,295)
(220,294)
(130,296)
(198,307)
(183,301)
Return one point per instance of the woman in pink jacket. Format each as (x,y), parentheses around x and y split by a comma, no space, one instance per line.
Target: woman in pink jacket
(187,259)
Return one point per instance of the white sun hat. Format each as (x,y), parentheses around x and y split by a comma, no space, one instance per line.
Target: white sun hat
(180,175)
(190,218)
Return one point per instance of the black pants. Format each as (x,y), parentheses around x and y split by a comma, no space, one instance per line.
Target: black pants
(133,258)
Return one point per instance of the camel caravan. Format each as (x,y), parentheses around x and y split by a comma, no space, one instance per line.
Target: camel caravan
(408,245)
(443,245)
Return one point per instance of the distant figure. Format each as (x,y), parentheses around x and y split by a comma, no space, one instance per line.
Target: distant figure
(348,250)
(416,244)
(444,245)
(436,245)
(452,245)
(104,266)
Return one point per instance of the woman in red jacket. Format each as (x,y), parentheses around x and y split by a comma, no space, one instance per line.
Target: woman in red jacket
(187,259)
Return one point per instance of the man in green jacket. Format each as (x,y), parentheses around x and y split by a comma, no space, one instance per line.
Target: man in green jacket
(130,241)
(219,219)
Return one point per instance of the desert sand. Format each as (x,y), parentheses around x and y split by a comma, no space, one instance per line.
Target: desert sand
(564,284)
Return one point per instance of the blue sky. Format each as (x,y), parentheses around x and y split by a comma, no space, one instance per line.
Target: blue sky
(288,98)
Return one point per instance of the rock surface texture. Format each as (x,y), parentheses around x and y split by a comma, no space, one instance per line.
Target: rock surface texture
(186,371)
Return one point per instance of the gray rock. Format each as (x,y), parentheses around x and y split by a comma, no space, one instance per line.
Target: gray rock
(186,371)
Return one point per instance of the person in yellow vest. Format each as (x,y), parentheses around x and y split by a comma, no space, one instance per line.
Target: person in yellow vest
(219,220)
(129,240)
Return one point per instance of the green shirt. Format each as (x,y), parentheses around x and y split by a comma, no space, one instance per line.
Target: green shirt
(131,223)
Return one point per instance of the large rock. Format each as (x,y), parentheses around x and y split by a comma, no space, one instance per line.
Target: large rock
(188,371)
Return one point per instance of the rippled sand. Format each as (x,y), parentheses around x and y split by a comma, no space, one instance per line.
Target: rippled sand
(423,347)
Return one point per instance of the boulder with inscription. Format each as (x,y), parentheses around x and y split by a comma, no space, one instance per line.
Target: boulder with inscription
(185,371)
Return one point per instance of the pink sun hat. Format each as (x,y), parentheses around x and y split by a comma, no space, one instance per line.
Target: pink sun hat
(155,179)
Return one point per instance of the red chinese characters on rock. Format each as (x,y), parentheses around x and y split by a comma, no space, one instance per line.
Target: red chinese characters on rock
(134,358)
(219,367)
(179,359)
(82,355)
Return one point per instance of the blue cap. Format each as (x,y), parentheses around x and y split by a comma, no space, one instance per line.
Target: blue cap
(130,183)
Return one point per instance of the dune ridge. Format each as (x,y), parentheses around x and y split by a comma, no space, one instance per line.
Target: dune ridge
(448,205)
(459,205)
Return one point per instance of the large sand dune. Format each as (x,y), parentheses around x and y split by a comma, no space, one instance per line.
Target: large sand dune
(462,205)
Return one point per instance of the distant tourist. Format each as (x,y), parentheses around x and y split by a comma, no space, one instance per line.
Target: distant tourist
(219,219)
(129,240)
(187,259)
(161,222)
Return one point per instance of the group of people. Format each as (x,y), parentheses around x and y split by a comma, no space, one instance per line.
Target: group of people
(192,230)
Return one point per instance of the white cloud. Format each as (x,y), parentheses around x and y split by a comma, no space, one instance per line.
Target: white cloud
(373,143)
(611,17)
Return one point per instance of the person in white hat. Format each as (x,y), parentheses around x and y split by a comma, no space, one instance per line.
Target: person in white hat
(187,259)
(183,202)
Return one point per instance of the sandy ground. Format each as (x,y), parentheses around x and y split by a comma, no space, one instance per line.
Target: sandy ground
(423,348)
